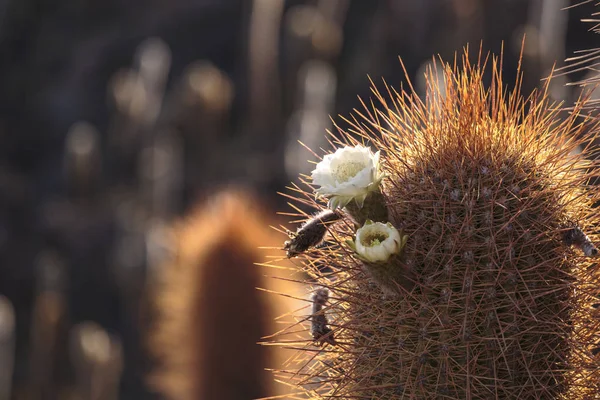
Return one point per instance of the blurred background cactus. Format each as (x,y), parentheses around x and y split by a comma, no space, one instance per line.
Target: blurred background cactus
(210,314)
(118,118)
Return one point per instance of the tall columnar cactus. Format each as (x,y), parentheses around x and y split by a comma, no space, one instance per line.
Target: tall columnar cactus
(459,258)
(209,317)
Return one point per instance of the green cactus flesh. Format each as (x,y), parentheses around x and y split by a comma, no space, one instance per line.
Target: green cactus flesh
(493,303)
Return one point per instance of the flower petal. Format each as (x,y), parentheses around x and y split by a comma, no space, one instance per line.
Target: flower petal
(350,172)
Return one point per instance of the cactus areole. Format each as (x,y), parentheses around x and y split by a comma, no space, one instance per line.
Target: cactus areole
(479,278)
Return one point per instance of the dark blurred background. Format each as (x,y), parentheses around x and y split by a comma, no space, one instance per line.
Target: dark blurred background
(117,116)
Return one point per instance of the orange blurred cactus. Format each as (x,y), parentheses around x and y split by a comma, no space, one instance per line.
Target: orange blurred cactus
(211,316)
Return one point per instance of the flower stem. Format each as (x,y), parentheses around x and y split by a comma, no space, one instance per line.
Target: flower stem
(374,208)
(391,276)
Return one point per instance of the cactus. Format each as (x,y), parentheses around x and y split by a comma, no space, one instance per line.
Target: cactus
(210,316)
(480,283)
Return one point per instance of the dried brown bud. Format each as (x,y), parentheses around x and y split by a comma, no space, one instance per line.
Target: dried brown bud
(311,233)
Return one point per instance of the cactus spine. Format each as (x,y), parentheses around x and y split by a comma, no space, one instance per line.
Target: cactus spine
(486,294)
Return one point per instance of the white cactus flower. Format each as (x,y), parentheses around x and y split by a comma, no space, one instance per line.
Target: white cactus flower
(377,242)
(348,174)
